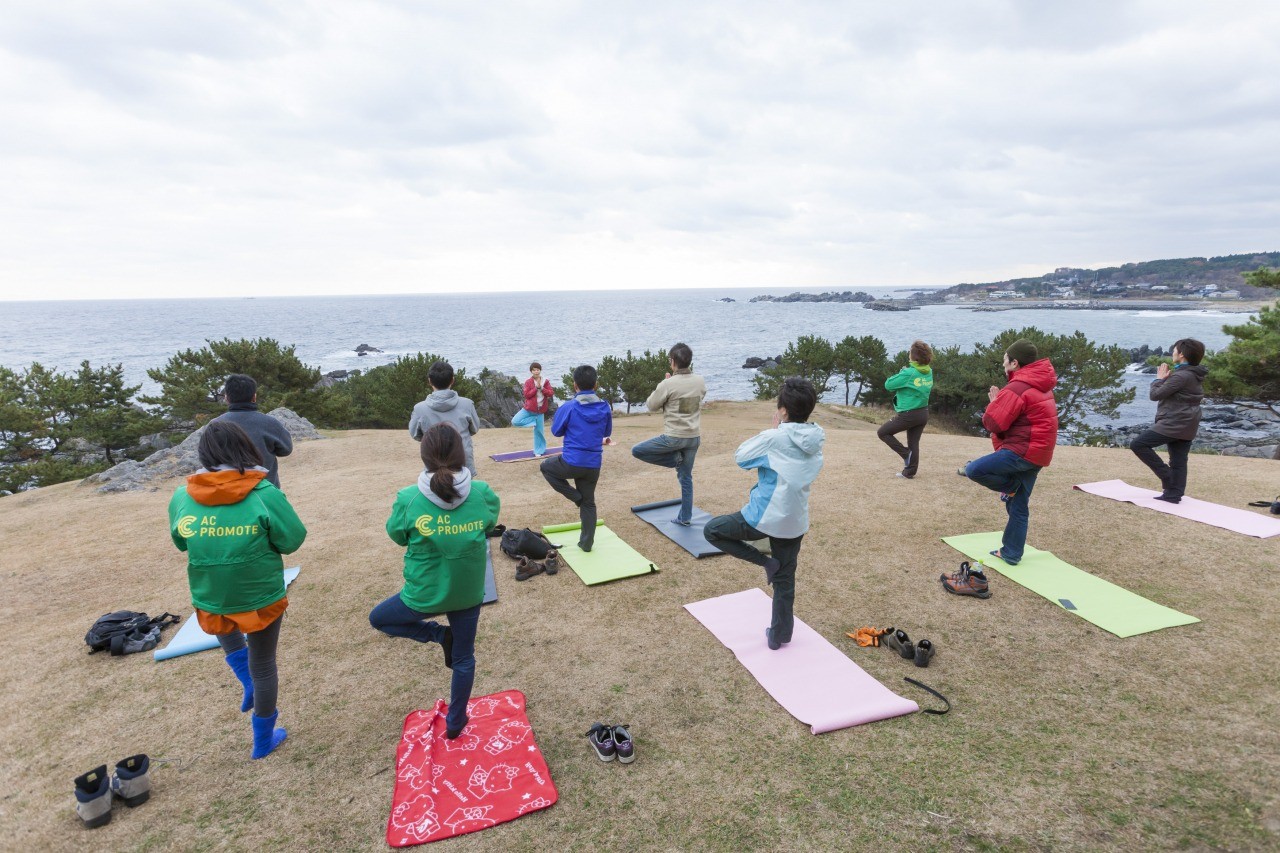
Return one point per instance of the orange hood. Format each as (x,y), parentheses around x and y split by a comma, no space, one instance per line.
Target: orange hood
(220,488)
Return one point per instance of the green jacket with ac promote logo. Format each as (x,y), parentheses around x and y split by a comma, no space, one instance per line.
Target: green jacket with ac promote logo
(913,385)
(446,549)
(234,527)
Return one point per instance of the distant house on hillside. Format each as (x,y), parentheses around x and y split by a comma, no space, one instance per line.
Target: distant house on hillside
(1004,294)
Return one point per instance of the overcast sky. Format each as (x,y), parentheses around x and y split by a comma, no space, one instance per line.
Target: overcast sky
(298,147)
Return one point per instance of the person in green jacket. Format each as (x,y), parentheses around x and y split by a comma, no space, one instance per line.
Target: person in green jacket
(913,385)
(443,521)
(234,525)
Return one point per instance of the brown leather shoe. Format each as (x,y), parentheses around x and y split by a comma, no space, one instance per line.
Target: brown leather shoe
(967,581)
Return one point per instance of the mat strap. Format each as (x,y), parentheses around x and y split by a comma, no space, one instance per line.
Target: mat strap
(929,689)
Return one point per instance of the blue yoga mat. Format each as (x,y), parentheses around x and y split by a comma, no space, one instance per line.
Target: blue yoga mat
(192,638)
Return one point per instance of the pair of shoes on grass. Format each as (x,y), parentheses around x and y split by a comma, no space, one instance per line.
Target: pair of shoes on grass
(971,579)
(609,742)
(131,784)
(898,641)
(527,568)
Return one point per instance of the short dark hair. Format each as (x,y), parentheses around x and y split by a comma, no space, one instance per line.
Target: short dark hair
(441,375)
(798,398)
(1191,349)
(921,353)
(584,376)
(443,456)
(226,443)
(681,355)
(533,365)
(239,388)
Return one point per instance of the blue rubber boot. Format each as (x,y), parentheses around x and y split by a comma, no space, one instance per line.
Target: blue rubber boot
(239,663)
(266,737)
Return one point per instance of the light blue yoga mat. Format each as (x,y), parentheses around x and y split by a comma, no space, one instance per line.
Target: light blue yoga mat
(192,638)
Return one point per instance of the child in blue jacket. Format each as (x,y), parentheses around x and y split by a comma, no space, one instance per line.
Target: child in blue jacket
(585,423)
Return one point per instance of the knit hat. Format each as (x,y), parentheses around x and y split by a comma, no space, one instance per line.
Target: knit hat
(1022,351)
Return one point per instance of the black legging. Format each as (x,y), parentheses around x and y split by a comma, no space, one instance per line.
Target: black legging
(262,663)
(911,422)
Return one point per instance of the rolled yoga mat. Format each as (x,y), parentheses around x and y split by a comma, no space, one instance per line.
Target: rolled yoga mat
(1093,599)
(689,538)
(812,679)
(1226,517)
(523,455)
(192,638)
(609,559)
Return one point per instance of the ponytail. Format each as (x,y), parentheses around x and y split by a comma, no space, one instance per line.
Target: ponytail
(443,456)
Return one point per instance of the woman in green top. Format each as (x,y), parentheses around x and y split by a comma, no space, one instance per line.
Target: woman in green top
(913,385)
(234,525)
(443,521)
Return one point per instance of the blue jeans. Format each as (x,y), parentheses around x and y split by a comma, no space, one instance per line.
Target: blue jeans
(730,533)
(677,453)
(526,418)
(396,619)
(1006,471)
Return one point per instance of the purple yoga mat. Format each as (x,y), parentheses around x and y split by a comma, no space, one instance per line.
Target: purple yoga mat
(521,455)
(809,677)
(1228,518)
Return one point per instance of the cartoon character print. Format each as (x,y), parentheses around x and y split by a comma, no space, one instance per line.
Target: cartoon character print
(509,734)
(533,805)
(469,819)
(465,742)
(417,819)
(482,707)
(484,782)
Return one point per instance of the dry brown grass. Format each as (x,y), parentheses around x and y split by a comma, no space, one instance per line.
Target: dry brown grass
(1062,737)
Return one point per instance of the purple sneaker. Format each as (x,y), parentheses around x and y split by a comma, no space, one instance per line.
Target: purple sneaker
(602,741)
(623,746)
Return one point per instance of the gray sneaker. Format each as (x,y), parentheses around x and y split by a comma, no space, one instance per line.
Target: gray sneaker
(93,797)
(601,737)
(623,746)
(132,780)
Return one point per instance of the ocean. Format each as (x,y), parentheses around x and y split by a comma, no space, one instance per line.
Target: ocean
(505,331)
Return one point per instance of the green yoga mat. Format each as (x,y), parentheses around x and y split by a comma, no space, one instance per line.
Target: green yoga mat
(609,559)
(1106,605)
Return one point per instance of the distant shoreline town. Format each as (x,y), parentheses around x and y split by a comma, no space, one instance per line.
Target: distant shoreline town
(1184,284)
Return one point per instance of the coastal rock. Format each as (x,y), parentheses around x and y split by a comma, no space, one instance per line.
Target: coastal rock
(830,296)
(1224,429)
(365,349)
(501,396)
(726,299)
(181,460)
(333,377)
(756,362)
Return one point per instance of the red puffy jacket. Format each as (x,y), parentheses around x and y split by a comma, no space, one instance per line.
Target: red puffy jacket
(1024,417)
(531,396)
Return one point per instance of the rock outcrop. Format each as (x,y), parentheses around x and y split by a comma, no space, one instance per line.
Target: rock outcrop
(181,460)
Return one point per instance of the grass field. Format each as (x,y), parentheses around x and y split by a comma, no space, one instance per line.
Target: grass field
(1063,736)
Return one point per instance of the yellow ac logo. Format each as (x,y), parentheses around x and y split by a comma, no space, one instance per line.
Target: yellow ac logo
(423,524)
(184,526)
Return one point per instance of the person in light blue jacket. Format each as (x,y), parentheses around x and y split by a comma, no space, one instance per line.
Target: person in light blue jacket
(786,460)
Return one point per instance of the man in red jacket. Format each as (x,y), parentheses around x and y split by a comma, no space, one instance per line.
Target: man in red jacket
(1022,418)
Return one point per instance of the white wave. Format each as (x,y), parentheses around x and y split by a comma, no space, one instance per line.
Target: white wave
(1200,313)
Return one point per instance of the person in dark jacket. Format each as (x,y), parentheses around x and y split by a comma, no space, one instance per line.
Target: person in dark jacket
(585,423)
(267,434)
(445,406)
(1022,418)
(1178,393)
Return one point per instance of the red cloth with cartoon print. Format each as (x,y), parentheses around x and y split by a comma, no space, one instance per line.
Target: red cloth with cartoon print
(491,773)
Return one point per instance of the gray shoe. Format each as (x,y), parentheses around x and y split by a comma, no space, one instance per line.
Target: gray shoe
(132,780)
(93,797)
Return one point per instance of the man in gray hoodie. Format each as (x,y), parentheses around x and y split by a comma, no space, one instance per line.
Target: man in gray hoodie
(445,406)
(1179,393)
(268,435)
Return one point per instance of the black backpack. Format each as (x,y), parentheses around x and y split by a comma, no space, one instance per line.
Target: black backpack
(125,632)
(525,543)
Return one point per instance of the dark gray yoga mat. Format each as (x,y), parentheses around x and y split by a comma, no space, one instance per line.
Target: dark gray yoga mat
(689,538)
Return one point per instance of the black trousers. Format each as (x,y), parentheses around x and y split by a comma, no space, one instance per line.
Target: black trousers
(912,423)
(1173,476)
(582,492)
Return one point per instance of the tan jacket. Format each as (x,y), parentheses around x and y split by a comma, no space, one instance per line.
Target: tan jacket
(679,398)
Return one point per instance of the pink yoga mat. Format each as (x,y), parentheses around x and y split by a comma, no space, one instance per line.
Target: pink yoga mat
(809,677)
(1228,518)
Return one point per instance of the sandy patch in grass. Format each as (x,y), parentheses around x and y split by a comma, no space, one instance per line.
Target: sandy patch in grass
(1063,736)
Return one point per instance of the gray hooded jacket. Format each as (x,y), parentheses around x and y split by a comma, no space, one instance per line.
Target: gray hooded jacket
(446,407)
